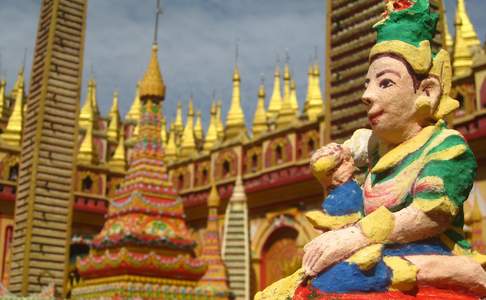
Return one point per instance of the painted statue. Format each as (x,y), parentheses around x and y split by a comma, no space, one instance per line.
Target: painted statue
(399,235)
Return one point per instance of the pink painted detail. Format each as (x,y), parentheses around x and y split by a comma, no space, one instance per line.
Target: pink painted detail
(383,194)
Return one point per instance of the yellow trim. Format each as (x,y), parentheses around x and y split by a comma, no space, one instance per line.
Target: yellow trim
(378,225)
(394,156)
(443,204)
(282,289)
(323,221)
(449,153)
(322,166)
(367,257)
(404,273)
(420,58)
(455,248)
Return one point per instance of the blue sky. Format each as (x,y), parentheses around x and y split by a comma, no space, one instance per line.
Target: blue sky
(197,41)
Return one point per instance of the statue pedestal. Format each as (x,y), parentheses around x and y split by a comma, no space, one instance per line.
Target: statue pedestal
(423,293)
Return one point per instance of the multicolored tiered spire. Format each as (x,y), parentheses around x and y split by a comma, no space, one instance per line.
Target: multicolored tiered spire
(215,278)
(144,250)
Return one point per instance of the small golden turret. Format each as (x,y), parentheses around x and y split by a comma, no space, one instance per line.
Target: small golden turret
(462,62)
(134,112)
(198,129)
(86,153)
(171,149)
(260,118)
(287,114)
(294,103)
(287,78)
(188,145)
(449,43)
(12,134)
(90,107)
(178,125)
(467,29)
(20,80)
(219,120)
(212,134)
(163,131)
(276,99)
(152,84)
(2,97)
(314,104)
(118,161)
(235,120)
(114,127)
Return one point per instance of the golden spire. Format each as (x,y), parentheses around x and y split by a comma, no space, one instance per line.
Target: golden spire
(13,132)
(476,215)
(188,145)
(152,83)
(20,80)
(198,129)
(212,134)
(449,43)
(314,104)
(235,120)
(219,120)
(294,103)
(467,29)
(163,131)
(134,112)
(87,115)
(114,126)
(462,63)
(86,152)
(179,125)
(260,118)
(2,97)
(287,79)
(276,99)
(118,161)
(171,149)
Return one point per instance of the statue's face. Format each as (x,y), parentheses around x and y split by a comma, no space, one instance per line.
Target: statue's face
(390,99)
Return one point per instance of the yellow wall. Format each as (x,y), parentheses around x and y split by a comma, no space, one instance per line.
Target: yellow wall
(5,221)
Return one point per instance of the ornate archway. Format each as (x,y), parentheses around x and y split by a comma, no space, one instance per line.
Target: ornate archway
(281,255)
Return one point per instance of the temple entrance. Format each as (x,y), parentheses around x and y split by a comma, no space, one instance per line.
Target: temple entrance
(281,256)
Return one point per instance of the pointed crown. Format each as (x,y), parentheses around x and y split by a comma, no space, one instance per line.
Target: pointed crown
(152,83)
(407,30)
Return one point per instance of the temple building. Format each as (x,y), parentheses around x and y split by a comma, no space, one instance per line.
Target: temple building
(225,205)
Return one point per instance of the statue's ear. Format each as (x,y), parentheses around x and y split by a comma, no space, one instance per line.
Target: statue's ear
(429,94)
(430,91)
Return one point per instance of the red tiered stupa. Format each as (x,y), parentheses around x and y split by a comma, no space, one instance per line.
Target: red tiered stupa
(144,250)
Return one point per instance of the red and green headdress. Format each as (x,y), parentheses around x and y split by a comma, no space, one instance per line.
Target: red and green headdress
(407,29)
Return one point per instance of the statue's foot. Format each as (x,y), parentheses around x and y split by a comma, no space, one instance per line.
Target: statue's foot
(450,271)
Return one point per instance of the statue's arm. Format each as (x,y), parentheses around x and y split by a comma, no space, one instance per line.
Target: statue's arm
(439,192)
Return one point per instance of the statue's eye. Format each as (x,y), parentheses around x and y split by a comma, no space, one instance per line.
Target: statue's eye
(386,83)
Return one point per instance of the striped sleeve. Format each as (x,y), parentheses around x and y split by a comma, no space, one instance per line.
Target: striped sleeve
(447,177)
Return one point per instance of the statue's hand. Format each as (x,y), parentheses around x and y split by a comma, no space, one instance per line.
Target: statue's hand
(332,247)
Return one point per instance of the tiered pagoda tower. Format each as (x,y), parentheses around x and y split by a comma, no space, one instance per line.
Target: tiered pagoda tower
(144,250)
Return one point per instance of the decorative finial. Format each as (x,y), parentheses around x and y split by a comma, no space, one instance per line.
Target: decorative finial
(237,51)
(287,56)
(158,12)
(25,57)
(262,79)
(91,72)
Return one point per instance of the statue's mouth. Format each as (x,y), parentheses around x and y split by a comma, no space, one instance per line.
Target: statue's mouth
(373,117)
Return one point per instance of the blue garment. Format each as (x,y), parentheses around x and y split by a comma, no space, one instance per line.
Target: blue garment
(344,200)
(345,277)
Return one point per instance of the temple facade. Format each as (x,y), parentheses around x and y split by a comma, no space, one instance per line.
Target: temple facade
(244,187)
